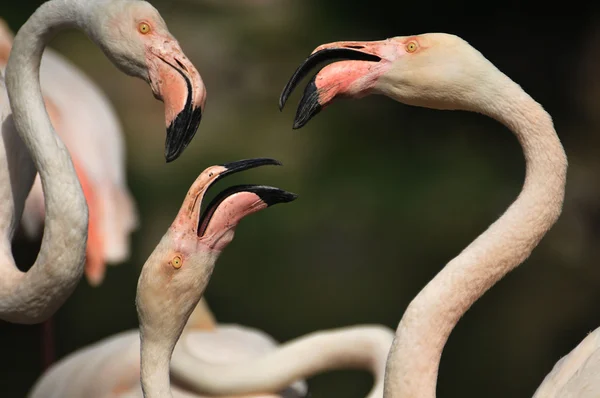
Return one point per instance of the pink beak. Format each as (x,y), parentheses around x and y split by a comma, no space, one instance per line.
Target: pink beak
(176,82)
(226,210)
(358,65)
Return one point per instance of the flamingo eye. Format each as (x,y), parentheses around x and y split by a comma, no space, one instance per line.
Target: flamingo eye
(411,47)
(144,28)
(177,262)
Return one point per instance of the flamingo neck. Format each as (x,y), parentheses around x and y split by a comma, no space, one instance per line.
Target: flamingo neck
(164,304)
(414,359)
(358,347)
(59,265)
(155,359)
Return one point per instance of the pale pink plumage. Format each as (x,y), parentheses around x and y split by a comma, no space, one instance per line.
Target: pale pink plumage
(220,360)
(443,71)
(88,125)
(111,367)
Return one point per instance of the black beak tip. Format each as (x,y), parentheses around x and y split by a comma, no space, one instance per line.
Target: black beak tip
(272,196)
(309,105)
(285,94)
(276,162)
(246,164)
(298,124)
(289,197)
(171,154)
(181,132)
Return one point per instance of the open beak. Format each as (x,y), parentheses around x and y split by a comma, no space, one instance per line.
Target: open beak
(357,65)
(235,203)
(261,197)
(248,198)
(176,82)
(245,164)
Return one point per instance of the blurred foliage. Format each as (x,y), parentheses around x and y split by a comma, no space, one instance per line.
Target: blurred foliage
(388,193)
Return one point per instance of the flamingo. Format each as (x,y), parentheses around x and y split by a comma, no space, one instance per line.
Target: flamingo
(75,105)
(229,360)
(443,71)
(135,37)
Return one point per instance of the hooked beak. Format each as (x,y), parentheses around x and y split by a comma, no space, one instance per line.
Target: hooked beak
(176,82)
(234,203)
(259,197)
(245,164)
(361,64)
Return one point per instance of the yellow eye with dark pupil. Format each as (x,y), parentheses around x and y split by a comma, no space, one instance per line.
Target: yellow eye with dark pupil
(144,28)
(411,47)
(177,262)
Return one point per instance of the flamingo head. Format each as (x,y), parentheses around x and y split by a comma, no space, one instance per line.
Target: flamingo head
(175,275)
(433,70)
(135,37)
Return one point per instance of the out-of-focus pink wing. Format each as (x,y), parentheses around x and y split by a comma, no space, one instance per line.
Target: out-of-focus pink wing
(103,369)
(88,125)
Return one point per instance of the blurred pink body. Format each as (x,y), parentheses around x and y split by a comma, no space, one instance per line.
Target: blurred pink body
(87,123)
(111,367)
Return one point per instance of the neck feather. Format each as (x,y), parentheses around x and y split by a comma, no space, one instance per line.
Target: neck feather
(364,347)
(59,265)
(414,359)
(155,359)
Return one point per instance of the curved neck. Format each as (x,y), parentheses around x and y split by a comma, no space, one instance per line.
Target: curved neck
(59,265)
(359,347)
(424,329)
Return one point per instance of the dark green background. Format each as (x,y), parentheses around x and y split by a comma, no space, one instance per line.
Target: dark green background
(388,193)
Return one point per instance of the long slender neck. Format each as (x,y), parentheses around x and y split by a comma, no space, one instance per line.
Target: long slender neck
(155,359)
(59,265)
(429,319)
(359,347)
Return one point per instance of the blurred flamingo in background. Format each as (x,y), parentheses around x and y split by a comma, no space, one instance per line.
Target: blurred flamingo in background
(141,46)
(87,123)
(221,360)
